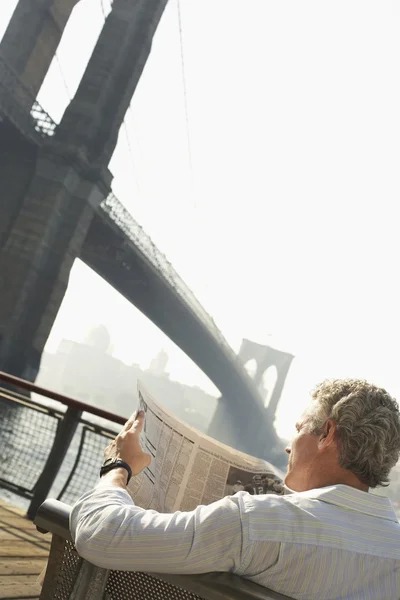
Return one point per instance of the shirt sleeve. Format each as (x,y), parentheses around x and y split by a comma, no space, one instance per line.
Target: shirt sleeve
(110,531)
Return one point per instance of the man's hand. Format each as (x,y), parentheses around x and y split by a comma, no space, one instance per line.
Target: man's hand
(126,445)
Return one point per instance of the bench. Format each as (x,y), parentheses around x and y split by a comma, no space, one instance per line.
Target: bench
(70,577)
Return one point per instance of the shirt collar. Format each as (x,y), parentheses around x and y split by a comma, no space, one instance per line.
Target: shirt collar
(353,499)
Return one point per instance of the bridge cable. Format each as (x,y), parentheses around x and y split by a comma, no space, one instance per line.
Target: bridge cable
(185,96)
(128,141)
(63,78)
(103,9)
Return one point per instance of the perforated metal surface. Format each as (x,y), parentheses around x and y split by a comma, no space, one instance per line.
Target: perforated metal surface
(68,572)
(62,570)
(122,585)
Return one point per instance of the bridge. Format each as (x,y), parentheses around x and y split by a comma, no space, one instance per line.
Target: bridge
(59,205)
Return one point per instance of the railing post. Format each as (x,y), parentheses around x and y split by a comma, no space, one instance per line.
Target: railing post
(62,441)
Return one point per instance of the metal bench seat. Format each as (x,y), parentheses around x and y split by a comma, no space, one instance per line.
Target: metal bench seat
(69,577)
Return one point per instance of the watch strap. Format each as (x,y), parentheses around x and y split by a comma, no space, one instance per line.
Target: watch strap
(116,464)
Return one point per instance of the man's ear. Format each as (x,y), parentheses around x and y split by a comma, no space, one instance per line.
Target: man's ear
(328,434)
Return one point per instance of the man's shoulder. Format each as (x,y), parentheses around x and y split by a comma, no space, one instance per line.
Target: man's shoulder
(323,518)
(275,518)
(261,503)
(324,499)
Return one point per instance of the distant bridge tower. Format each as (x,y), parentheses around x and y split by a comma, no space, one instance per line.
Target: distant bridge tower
(50,191)
(267,359)
(228,425)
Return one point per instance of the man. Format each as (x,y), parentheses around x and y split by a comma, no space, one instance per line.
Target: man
(237,487)
(328,540)
(255,486)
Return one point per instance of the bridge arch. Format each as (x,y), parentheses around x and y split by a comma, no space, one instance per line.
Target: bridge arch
(251,367)
(267,384)
(270,368)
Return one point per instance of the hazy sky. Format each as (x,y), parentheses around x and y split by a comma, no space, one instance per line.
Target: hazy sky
(286,228)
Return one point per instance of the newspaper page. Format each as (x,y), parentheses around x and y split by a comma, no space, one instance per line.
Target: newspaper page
(188,468)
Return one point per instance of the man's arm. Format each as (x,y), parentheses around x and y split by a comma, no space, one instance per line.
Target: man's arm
(111,532)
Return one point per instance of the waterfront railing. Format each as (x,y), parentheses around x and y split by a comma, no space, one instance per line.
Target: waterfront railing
(49,444)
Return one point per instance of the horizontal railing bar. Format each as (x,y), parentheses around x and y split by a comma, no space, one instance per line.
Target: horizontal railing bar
(15,394)
(53,516)
(97,428)
(52,412)
(17,489)
(70,402)
(31,404)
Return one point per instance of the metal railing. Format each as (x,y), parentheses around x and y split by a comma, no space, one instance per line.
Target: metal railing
(47,445)
(18,103)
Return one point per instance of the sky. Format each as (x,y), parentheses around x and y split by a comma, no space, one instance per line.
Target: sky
(282,218)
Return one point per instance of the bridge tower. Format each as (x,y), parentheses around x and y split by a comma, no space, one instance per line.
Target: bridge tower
(51,190)
(229,423)
(266,357)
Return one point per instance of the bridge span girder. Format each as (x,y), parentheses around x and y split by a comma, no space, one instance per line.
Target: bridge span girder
(243,422)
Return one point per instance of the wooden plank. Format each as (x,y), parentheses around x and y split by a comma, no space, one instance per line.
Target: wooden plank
(29,537)
(22,548)
(7,510)
(21,585)
(21,566)
(23,527)
(35,538)
(12,532)
(18,521)
(23,555)
(11,538)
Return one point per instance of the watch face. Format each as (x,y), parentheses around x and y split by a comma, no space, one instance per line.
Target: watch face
(109,461)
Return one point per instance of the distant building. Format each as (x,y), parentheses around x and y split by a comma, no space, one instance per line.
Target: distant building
(88,372)
(159,364)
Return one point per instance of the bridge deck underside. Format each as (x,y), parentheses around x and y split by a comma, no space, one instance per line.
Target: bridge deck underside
(122,264)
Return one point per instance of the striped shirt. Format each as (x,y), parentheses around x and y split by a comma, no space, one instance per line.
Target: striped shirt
(332,543)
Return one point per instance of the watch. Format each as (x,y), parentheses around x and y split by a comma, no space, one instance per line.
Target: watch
(115,463)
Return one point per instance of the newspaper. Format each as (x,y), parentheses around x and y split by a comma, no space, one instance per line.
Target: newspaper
(188,468)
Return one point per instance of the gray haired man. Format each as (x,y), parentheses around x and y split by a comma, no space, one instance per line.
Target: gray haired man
(328,540)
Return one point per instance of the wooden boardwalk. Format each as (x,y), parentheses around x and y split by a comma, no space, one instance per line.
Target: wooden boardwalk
(23,555)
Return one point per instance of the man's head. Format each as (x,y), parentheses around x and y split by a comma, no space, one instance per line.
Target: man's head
(349,434)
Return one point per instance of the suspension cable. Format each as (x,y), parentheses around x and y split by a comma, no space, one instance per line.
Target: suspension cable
(185,95)
(63,78)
